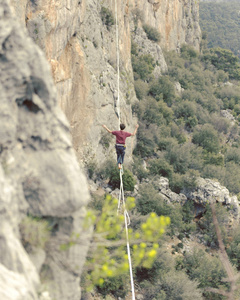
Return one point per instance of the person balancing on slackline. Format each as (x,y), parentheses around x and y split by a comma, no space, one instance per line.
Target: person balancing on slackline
(120,146)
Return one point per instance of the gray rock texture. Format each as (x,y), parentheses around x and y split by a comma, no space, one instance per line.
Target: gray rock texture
(147,46)
(207,191)
(39,172)
(167,194)
(177,21)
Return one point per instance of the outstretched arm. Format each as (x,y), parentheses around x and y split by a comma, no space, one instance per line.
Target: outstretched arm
(105,127)
(135,131)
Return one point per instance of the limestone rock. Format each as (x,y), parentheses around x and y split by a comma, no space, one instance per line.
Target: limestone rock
(177,22)
(178,88)
(66,253)
(18,277)
(226,113)
(39,172)
(147,46)
(14,286)
(208,190)
(167,194)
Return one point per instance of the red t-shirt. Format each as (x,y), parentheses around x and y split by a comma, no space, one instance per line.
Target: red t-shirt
(121,136)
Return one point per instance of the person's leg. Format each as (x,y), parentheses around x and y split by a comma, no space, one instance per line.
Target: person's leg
(119,157)
(122,153)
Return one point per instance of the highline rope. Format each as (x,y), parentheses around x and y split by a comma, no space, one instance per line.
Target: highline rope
(121,201)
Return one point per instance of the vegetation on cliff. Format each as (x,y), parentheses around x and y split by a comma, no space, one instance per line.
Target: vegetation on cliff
(186,129)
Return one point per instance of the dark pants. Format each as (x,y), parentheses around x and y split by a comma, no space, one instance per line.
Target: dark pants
(120,153)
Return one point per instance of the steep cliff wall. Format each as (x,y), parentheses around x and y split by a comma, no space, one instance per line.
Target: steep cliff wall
(39,173)
(81,49)
(176,20)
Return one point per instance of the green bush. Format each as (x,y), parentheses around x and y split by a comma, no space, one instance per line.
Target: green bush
(187,111)
(174,285)
(128,179)
(225,60)
(232,175)
(141,89)
(91,168)
(35,232)
(139,170)
(166,143)
(163,264)
(207,227)
(233,249)
(107,17)
(207,270)
(188,52)
(207,137)
(160,166)
(177,131)
(117,286)
(97,202)
(214,172)
(220,124)
(145,144)
(152,33)
(143,66)
(149,200)
(163,89)
(233,154)
(179,157)
(229,94)
(134,48)
(176,183)
(105,140)
(214,159)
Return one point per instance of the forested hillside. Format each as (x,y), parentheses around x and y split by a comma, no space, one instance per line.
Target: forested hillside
(189,128)
(221,22)
(194,129)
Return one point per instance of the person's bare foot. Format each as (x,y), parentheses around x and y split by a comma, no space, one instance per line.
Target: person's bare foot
(119,166)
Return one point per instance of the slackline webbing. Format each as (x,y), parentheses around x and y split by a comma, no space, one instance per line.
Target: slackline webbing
(121,205)
(118,63)
(121,201)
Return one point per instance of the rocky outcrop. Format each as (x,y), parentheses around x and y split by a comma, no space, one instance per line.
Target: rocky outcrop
(205,192)
(208,190)
(167,194)
(146,46)
(39,173)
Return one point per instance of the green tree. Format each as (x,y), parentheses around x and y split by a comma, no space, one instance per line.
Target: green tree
(107,258)
(188,52)
(233,249)
(107,17)
(143,66)
(160,166)
(152,33)
(163,89)
(225,60)
(207,137)
(149,200)
(207,270)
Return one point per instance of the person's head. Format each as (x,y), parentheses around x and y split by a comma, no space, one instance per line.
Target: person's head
(122,126)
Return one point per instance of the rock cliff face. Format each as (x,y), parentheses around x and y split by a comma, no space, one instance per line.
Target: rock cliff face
(176,20)
(39,173)
(81,49)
